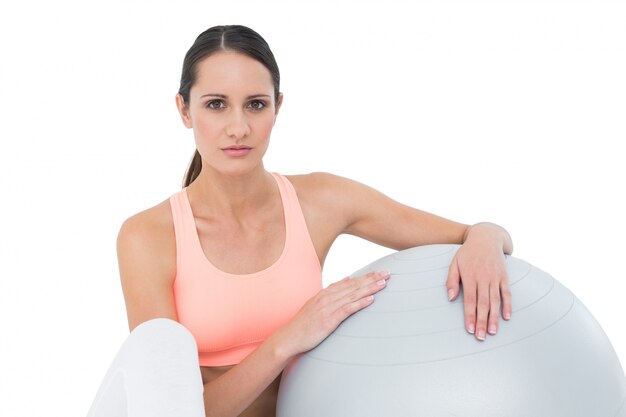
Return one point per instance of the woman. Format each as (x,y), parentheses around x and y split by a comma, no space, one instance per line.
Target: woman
(236,255)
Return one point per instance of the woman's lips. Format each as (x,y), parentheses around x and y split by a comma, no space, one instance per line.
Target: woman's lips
(237,151)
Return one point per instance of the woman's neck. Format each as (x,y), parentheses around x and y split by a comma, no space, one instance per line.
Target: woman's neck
(232,195)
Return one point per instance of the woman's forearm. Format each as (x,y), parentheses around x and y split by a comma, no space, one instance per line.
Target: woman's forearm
(232,392)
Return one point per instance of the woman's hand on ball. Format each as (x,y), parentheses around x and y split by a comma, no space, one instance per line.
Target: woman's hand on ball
(480,264)
(323,313)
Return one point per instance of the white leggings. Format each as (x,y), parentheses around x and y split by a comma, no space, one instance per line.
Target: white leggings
(155,374)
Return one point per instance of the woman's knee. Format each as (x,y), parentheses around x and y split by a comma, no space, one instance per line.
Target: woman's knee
(162,328)
(162,338)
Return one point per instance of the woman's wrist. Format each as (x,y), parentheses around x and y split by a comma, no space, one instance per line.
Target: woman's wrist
(279,347)
(492,232)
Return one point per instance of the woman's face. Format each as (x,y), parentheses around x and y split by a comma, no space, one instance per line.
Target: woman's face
(232,111)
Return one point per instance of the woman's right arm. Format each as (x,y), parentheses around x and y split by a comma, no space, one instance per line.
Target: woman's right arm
(147,262)
(146,255)
(232,392)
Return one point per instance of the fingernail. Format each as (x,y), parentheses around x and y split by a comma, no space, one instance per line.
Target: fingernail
(384,274)
(492,329)
(507,315)
(470,328)
(450,294)
(481,335)
(382,283)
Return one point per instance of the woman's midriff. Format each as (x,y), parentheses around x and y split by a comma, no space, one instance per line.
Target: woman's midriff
(263,406)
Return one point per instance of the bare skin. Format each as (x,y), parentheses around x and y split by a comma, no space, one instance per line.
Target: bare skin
(240,224)
(264,405)
(252,245)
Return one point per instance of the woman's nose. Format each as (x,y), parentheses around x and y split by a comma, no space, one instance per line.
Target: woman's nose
(238,125)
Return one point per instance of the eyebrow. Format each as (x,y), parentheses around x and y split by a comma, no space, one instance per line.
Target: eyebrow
(225,96)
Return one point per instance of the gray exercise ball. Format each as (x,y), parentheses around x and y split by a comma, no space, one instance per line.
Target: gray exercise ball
(408,353)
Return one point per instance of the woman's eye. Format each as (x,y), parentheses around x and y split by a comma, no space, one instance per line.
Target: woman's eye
(215,104)
(257,104)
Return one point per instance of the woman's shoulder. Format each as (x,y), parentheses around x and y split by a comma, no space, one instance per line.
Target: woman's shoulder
(149,232)
(324,187)
(316,182)
(326,197)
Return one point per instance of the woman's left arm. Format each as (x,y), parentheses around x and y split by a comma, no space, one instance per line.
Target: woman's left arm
(479,263)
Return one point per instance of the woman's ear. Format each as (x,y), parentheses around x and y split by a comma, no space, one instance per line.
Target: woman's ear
(278,104)
(183,110)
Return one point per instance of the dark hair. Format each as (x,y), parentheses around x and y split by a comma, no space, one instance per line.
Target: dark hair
(223,38)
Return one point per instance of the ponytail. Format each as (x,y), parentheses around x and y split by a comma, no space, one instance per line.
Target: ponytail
(194,169)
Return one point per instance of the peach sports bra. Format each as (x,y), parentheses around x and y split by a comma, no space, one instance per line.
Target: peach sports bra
(230,315)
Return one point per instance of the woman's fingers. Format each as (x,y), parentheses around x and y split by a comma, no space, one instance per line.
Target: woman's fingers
(507,309)
(353,289)
(469,305)
(452,283)
(346,310)
(482,302)
(482,311)
(494,309)
(352,295)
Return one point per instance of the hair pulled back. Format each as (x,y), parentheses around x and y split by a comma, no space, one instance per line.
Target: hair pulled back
(236,38)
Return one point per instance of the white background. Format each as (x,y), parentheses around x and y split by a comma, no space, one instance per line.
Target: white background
(509,112)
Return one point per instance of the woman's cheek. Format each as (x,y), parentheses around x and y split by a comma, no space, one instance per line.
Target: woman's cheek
(268,126)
